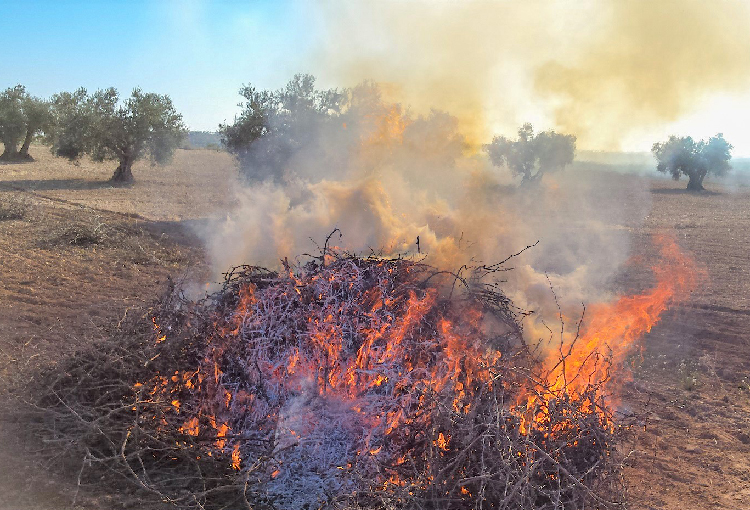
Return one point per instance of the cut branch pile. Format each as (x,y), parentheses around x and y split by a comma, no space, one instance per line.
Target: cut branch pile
(345,383)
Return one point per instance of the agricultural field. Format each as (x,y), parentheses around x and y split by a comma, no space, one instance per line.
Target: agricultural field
(77,255)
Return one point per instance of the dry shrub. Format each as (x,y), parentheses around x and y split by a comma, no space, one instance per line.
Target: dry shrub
(347,383)
(142,249)
(89,232)
(13,208)
(134,245)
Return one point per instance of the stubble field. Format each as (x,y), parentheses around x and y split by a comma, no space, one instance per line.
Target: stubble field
(76,255)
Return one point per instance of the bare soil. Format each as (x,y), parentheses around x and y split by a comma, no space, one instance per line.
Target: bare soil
(76,254)
(693,384)
(194,185)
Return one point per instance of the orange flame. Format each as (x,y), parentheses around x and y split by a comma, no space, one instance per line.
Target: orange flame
(385,127)
(160,336)
(613,328)
(190,427)
(419,344)
(236,458)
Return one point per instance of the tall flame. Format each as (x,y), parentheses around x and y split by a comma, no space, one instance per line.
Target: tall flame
(612,329)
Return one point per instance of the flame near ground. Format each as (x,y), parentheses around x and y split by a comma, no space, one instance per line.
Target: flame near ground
(356,383)
(597,352)
(613,329)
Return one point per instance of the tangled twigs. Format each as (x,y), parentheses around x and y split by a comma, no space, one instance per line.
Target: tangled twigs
(345,383)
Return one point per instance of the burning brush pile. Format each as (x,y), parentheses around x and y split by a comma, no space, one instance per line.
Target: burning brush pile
(346,382)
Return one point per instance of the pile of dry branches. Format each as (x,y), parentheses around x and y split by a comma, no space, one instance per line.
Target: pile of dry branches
(345,383)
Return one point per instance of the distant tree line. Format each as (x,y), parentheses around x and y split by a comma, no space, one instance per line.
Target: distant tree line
(202,140)
(276,126)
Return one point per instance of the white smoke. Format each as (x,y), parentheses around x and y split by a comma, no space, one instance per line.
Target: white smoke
(419,179)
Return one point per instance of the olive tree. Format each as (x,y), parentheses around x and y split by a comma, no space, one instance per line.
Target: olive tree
(530,156)
(684,156)
(102,126)
(71,118)
(22,116)
(274,125)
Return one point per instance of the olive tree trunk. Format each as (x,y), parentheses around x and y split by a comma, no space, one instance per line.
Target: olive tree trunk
(24,152)
(695,182)
(530,179)
(124,172)
(10,153)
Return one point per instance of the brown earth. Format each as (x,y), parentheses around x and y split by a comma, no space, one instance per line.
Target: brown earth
(84,253)
(693,386)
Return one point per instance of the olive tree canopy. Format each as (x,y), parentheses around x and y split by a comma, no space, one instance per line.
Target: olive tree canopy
(22,116)
(274,125)
(71,118)
(144,125)
(684,156)
(530,156)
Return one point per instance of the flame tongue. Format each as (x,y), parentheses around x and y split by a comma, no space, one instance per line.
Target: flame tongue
(611,329)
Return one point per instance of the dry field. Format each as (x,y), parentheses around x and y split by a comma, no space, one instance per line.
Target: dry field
(693,384)
(77,254)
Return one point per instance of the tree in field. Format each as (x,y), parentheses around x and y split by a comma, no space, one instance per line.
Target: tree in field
(12,124)
(274,125)
(38,119)
(531,156)
(144,125)
(684,156)
(22,116)
(71,118)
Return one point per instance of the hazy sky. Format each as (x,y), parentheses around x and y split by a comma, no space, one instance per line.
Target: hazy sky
(620,74)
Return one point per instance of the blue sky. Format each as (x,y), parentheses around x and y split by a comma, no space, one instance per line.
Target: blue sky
(199,53)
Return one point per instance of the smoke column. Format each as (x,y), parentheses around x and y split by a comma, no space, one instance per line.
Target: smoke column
(392,175)
(654,62)
(600,70)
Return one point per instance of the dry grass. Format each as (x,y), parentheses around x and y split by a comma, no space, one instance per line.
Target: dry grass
(66,274)
(81,234)
(13,208)
(196,184)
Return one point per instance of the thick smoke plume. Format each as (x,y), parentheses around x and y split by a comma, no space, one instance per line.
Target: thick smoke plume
(652,62)
(603,70)
(470,58)
(386,177)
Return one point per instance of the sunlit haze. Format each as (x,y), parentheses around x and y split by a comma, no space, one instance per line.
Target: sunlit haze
(619,75)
